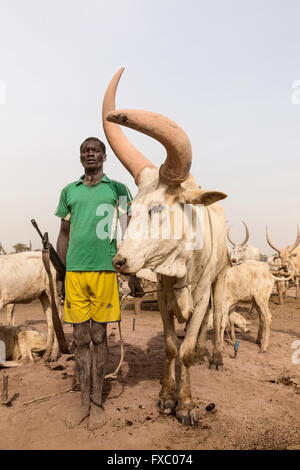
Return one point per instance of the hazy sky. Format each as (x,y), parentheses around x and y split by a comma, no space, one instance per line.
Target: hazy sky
(222,69)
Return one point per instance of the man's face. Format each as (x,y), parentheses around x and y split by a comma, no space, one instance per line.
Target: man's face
(91,155)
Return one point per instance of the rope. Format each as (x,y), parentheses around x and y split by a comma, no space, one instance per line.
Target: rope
(115,373)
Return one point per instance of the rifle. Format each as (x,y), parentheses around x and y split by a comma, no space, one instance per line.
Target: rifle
(49,254)
(55,259)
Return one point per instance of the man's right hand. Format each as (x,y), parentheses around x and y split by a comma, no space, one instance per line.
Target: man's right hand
(60,287)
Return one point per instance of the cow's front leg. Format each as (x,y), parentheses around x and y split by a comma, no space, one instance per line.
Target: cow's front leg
(218,294)
(285,289)
(224,322)
(48,356)
(52,348)
(185,409)
(297,286)
(280,291)
(167,395)
(10,314)
(201,350)
(217,358)
(232,329)
(265,320)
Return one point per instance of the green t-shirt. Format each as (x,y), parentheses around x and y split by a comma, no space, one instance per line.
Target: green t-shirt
(93,213)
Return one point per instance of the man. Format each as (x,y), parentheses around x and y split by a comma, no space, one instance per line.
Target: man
(89,209)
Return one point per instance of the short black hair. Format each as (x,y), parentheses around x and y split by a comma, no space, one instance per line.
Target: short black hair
(102,145)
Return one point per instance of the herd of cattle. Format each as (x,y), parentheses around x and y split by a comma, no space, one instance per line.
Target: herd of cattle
(23,279)
(200,287)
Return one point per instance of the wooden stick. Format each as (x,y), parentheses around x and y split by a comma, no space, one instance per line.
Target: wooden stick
(4,395)
(46,397)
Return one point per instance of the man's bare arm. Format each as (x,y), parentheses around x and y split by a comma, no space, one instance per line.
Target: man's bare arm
(62,248)
(63,240)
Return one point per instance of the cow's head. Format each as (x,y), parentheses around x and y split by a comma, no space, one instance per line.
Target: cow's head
(284,256)
(238,251)
(160,229)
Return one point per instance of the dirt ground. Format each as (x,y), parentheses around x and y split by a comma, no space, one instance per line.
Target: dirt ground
(256,396)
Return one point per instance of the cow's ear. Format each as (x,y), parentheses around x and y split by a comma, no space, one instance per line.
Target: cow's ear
(201,196)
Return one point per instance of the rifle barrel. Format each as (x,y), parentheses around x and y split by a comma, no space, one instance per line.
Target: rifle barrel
(37,228)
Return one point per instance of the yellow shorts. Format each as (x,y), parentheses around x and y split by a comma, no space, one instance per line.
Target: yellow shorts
(91,295)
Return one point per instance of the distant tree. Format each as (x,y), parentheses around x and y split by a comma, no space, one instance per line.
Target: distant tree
(2,251)
(19,247)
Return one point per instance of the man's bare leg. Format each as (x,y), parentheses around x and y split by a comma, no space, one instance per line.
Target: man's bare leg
(100,354)
(82,339)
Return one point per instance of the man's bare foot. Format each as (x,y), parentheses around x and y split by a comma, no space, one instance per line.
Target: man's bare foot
(77,415)
(97,417)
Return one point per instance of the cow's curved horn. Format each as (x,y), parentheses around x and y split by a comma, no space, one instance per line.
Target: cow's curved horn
(176,168)
(130,157)
(297,240)
(247,235)
(233,243)
(270,243)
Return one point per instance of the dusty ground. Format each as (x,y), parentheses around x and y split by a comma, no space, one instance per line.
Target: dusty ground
(256,397)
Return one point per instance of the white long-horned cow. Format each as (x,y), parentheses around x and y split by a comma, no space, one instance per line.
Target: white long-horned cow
(10,318)
(284,256)
(23,278)
(243,251)
(188,268)
(247,282)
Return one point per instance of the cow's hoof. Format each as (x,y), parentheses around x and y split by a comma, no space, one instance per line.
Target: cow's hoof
(186,415)
(200,355)
(49,356)
(216,362)
(53,357)
(46,355)
(166,405)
